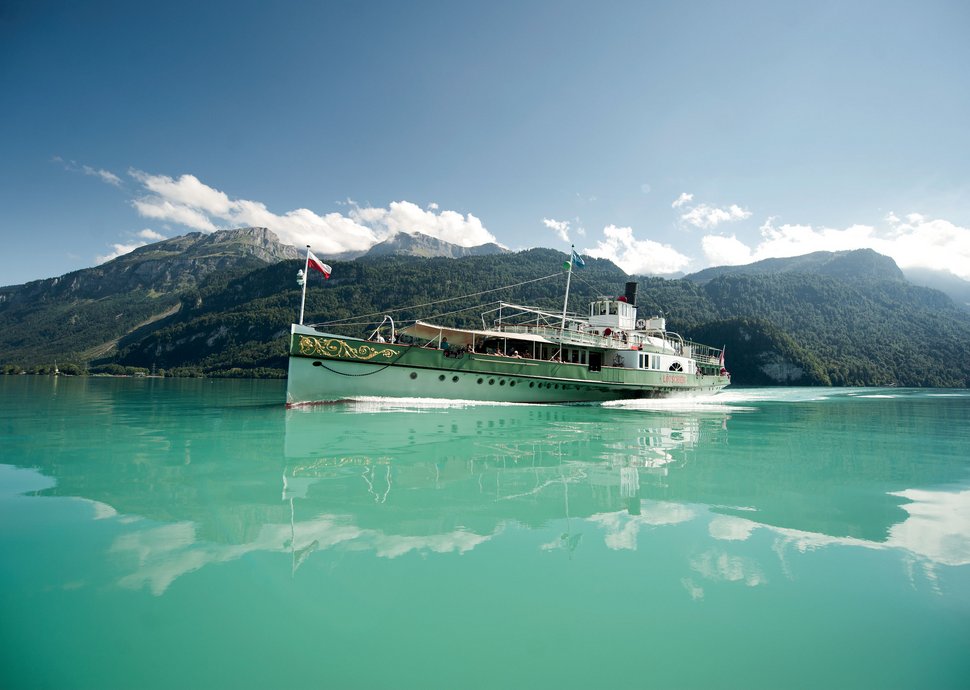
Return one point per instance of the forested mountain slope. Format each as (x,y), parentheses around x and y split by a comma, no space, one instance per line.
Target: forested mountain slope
(79,316)
(829,318)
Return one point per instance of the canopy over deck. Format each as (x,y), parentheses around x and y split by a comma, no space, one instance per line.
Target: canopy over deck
(465,336)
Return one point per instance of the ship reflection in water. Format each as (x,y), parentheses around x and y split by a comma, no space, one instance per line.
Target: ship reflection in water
(445,479)
(620,471)
(398,478)
(718,493)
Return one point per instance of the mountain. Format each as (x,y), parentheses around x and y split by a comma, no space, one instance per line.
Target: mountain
(81,315)
(839,318)
(853,265)
(419,244)
(956,288)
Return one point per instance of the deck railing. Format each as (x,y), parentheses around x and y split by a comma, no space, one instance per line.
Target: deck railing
(701,353)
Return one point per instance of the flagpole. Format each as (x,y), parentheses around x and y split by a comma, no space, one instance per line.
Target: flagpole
(306,276)
(569,276)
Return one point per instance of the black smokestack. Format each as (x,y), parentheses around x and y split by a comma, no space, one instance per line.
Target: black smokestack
(631,293)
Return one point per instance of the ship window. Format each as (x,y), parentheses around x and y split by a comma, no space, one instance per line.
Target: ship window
(455,379)
(480,380)
(491,382)
(441,377)
(676,367)
(414,374)
(318,364)
(502,382)
(613,308)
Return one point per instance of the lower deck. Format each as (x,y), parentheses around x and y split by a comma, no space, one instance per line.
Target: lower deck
(325,368)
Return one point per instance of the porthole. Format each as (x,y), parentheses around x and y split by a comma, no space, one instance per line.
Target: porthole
(318,364)
(441,377)
(502,382)
(557,386)
(532,384)
(454,379)
(480,380)
(414,374)
(511,383)
(491,382)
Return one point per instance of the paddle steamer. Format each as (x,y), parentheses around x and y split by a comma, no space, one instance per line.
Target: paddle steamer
(521,354)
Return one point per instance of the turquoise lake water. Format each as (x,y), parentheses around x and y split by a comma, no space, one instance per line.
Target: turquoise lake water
(195,534)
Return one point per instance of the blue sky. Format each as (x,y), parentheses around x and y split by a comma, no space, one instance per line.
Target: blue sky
(668,136)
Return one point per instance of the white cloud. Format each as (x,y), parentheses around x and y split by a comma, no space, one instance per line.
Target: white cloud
(404,216)
(105,175)
(708,217)
(560,227)
(150,234)
(162,209)
(682,199)
(119,250)
(637,256)
(916,242)
(187,191)
(188,201)
(725,251)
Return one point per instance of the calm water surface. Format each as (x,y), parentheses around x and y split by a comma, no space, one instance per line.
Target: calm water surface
(195,534)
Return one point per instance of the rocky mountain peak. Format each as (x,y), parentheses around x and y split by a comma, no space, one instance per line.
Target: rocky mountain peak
(419,244)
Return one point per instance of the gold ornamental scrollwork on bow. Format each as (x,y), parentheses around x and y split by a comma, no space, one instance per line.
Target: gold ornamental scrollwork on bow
(332,347)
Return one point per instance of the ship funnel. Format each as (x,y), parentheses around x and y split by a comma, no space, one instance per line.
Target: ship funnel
(631,293)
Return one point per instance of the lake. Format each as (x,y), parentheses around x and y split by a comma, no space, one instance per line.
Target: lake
(195,534)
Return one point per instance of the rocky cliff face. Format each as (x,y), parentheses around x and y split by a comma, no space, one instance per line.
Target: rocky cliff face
(419,244)
(86,311)
(163,267)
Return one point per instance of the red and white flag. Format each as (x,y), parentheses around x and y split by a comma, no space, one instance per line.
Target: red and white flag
(314,262)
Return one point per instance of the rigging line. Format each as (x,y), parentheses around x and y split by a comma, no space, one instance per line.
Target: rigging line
(457,311)
(595,288)
(401,322)
(441,301)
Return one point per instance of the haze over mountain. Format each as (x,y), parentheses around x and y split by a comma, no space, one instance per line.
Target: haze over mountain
(858,264)
(221,304)
(957,288)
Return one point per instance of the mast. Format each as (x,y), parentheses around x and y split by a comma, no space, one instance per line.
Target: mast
(569,276)
(306,271)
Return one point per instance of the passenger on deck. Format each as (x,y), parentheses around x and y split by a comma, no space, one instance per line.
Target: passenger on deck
(444,344)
